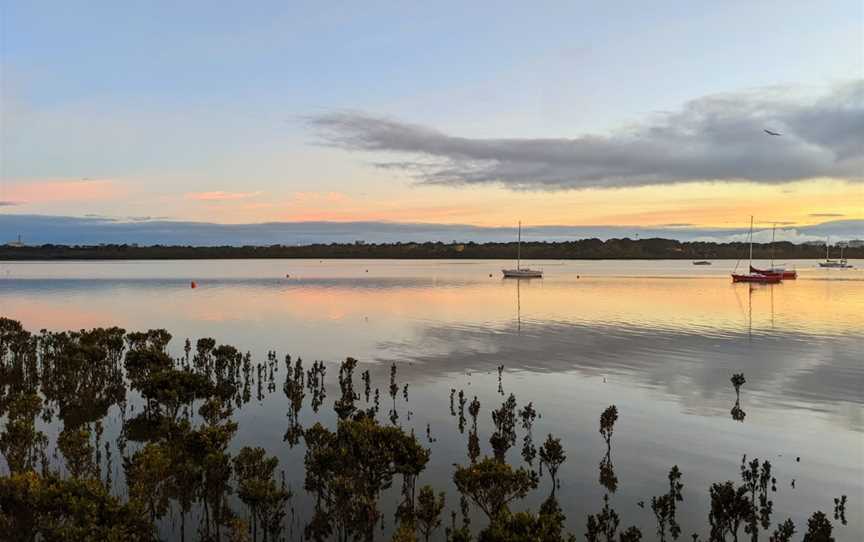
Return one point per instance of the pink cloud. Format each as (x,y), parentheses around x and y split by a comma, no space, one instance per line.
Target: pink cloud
(221,196)
(63,191)
(319,196)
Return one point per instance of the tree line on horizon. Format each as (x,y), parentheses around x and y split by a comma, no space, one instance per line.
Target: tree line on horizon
(583,249)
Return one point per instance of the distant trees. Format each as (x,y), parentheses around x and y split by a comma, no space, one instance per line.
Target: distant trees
(651,248)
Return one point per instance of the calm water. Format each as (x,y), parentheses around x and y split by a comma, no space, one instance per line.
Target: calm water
(658,339)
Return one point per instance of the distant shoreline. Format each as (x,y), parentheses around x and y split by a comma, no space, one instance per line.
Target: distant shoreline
(586,249)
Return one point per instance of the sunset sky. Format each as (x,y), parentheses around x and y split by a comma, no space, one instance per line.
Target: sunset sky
(555,113)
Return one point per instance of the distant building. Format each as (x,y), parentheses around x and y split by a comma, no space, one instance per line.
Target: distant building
(17,243)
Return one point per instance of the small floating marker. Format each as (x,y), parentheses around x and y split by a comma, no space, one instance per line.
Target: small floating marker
(287,276)
(577,276)
(367,270)
(193,284)
(490,275)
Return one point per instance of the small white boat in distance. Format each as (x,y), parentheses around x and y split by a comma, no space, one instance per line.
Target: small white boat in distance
(842,263)
(521,272)
(836,264)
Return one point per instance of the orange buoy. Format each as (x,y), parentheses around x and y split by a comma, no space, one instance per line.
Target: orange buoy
(193,284)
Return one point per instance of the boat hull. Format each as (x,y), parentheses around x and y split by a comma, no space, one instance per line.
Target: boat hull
(521,274)
(782,273)
(757,278)
(835,265)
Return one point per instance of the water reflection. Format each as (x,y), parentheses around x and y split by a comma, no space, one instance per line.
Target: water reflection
(737,412)
(661,341)
(800,341)
(784,367)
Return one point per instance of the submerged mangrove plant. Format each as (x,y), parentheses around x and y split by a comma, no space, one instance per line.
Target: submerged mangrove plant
(174,468)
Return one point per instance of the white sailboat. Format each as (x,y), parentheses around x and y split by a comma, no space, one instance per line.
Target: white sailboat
(842,263)
(521,272)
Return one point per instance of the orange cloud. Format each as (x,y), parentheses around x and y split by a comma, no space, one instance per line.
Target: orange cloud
(221,196)
(63,191)
(319,196)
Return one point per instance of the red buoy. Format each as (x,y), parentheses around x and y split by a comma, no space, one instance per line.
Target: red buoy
(193,284)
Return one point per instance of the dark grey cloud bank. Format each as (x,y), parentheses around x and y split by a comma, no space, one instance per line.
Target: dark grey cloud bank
(41,229)
(718,138)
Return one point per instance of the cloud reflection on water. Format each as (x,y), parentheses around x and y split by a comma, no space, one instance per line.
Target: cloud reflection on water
(798,343)
(783,369)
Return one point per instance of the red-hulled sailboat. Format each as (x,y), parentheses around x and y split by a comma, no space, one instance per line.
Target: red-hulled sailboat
(782,272)
(756,277)
(753,276)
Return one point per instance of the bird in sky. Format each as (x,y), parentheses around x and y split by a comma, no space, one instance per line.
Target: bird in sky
(769,132)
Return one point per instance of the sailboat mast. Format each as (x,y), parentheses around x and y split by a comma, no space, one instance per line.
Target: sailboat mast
(827,244)
(519,248)
(751,240)
(773,229)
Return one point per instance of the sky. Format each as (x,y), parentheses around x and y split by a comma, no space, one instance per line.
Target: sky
(47,229)
(617,115)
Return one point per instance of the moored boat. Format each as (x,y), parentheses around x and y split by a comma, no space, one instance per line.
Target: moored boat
(775,270)
(842,263)
(701,262)
(836,264)
(521,272)
(781,272)
(753,276)
(756,277)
